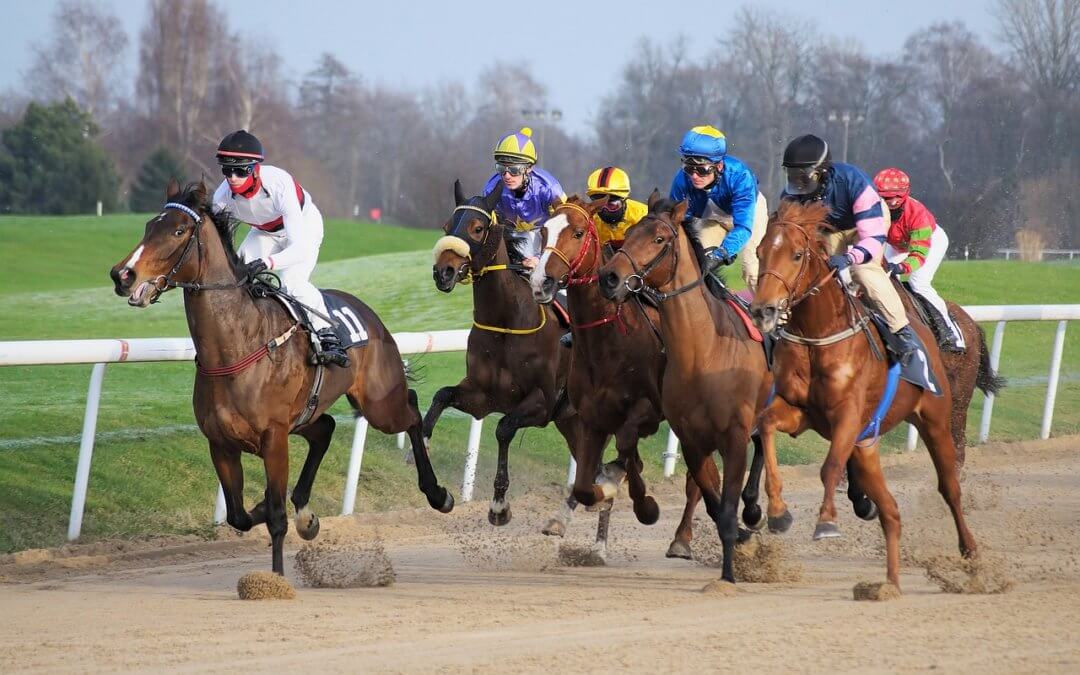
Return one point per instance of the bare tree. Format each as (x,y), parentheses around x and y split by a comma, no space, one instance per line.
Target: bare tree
(83,58)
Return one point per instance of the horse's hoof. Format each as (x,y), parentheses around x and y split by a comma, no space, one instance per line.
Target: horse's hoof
(826,531)
(499,518)
(307,524)
(599,506)
(781,523)
(448,503)
(751,517)
(647,511)
(865,509)
(743,535)
(679,549)
(554,528)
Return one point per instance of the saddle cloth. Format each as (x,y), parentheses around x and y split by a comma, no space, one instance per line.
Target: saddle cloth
(344,319)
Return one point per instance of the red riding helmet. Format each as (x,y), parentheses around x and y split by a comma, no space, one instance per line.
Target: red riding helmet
(892,183)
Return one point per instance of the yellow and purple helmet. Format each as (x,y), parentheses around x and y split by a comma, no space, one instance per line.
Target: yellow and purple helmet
(609,180)
(516,148)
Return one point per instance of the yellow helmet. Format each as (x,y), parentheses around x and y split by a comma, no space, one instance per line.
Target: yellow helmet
(517,146)
(609,180)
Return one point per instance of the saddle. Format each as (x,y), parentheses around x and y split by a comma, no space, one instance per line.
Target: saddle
(349,328)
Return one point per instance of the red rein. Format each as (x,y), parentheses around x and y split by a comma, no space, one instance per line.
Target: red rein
(592,241)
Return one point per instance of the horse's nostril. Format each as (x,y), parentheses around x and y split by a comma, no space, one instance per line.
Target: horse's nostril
(548,284)
(609,280)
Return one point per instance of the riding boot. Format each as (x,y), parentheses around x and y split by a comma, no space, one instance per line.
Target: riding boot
(332,351)
(946,340)
(567,340)
(906,344)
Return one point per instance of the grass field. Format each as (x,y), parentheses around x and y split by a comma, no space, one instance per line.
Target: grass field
(151,472)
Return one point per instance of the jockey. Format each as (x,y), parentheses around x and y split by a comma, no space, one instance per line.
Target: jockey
(915,247)
(286,228)
(709,174)
(620,212)
(528,195)
(855,210)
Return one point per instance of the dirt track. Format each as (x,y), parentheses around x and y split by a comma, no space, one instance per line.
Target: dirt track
(468,597)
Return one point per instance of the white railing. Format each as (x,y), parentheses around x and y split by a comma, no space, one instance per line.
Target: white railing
(101,352)
(1062,252)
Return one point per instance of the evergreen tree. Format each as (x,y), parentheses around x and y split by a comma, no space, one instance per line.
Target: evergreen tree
(51,163)
(148,190)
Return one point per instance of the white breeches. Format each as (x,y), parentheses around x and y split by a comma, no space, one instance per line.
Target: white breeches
(921,278)
(713,236)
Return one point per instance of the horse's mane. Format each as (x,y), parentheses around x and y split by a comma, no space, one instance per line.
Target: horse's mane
(224,222)
(811,216)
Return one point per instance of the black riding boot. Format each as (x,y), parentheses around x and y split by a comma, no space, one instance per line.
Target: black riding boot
(906,344)
(332,351)
(945,338)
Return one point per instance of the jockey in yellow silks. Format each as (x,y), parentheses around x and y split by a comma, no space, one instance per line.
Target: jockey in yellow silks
(620,212)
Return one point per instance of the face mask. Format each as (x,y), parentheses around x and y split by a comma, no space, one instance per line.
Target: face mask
(802,180)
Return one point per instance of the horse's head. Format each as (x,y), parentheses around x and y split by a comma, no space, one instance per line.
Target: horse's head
(649,255)
(170,250)
(791,261)
(469,240)
(573,248)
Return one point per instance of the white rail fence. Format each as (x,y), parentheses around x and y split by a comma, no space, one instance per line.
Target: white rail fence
(101,352)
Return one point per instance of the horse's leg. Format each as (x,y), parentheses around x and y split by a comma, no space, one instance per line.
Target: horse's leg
(684,533)
(734,458)
(570,428)
(841,445)
(530,412)
(932,421)
(626,443)
(318,435)
(274,447)
(439,498)
(779,416)
(751,514)
(714,505)
(867,466)
(861,503)
(230,473)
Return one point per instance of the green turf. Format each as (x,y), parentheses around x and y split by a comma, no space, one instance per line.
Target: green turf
(151,470)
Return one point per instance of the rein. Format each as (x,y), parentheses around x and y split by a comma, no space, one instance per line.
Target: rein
(654,292)
(592,241)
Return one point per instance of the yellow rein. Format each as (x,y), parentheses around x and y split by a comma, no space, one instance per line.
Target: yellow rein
(516,331)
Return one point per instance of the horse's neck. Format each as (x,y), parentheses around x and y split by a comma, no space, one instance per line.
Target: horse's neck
(822,314)
(688,315)
(225,324)
(586,302)
(497,295)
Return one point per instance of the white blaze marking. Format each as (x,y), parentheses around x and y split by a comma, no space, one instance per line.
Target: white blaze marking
(554,226)
(130,264)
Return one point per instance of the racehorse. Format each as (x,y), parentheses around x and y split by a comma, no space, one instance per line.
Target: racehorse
(828,378)
(253,384)
(513,364)
(716,378)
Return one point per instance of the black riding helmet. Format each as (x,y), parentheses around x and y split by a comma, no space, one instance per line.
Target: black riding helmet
(239,148)
(806,159)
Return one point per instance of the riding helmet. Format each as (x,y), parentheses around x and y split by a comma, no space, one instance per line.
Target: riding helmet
(517,147)
(239,148)
(609,180)
(807,151)
(704,141)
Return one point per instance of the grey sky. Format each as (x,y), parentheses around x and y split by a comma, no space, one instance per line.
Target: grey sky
(414,44)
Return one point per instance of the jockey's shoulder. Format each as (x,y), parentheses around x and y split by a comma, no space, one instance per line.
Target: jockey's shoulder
(272,175)
(635,211)
(849,174)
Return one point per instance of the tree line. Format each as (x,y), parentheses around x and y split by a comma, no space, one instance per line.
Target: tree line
(987,131)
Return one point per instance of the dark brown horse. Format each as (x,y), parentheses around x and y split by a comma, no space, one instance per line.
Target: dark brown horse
(514,364)
(716,379)
(253,381)
(829,379)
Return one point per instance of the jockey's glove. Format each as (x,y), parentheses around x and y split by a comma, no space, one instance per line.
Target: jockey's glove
(894,269)
(255,266)
(722,256)
(839,261)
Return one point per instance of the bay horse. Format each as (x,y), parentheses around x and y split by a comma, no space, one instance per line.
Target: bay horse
(716,378)
(829,379)
(253,382)
(513,364)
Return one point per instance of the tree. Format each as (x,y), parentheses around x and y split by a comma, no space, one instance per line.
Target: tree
(51,164)
(154,175)
(83,59)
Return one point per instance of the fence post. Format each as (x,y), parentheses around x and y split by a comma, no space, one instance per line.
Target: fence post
(219,506)
(571,472)
(472,453)
(401,441)
(1052,383)
(671,453)
(912,437)
(348,503)
(86,451)
(988,402)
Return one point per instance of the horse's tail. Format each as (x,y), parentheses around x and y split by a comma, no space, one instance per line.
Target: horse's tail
(987,380)
(413,372)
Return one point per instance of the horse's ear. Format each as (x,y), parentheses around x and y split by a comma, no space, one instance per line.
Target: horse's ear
(491,199)
(594,206)
(172,189)
(200,192)
(654,197)
(459,193)
(678,214)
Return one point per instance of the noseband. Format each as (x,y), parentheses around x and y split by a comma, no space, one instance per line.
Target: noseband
(789,302)
(592,241)
(635,283)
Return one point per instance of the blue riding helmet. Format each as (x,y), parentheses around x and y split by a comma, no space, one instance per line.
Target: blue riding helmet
(704,141)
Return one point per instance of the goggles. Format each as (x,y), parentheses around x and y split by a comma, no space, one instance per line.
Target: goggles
(802,180)
(694,169)
(512,169)
(239,171)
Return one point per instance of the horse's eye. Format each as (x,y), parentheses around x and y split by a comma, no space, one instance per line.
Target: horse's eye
(798,256)
(659,240)
(579,234)
(179,231)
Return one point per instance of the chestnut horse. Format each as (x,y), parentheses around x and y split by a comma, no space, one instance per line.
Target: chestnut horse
(828,378)
(253,381)
(716,379)
(514,364)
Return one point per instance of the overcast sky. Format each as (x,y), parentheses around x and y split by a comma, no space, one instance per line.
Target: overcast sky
(418,43)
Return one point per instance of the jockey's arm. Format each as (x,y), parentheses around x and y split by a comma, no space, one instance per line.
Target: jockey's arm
(680,191)
(918,242)
(743,201)
(301,242)
(869,224)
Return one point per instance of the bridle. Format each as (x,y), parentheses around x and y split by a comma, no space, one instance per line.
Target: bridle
(787,303)
(467,274)
(592,242)
(165,282)
(635,283)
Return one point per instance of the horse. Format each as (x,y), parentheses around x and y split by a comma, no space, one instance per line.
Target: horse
(829,379)
(513,363)
(617,364)
(716,378)
(253,384)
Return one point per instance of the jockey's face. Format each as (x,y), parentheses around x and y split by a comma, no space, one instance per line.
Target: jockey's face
(238,175)
(895,202)
(513,175)
(702,175)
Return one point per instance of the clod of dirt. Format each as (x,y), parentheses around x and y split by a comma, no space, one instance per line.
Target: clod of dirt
(876,591)
(31,556)
(758,560)
(721,588)
(341,562)
(571,555)
(968,576)
(517,547)
(263,585)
